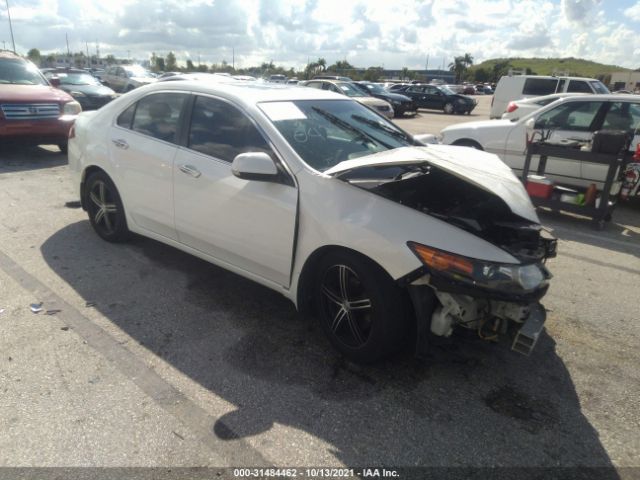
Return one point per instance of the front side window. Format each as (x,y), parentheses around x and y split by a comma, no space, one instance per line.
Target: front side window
(158,115)
(220,130)
(576,116)
(622,116)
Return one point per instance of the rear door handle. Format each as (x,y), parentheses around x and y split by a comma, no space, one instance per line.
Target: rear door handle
(118,142)
(190,170)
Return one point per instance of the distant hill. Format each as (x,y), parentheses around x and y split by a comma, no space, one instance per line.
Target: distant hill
(547,66)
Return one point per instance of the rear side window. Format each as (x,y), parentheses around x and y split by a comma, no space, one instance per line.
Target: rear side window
(158,115)
(220,130)
(599,87)
(579,86)
(539,86)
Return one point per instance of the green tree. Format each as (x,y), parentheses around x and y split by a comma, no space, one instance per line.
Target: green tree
(160,66)
(190,66)
(481,75)
(170,62)
(500,68)
(110,59)
(34,56)
(372,74)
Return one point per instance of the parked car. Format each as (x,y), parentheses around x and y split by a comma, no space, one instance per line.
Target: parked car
(440,98)
(398,87)
(124,78)
(401,103)
(277,78)
(32,111)
(332,77)
(84,87)
(575,117)
(519,108)
(516,87)
(350,90)
(317,197)
(468,90)
(211,77)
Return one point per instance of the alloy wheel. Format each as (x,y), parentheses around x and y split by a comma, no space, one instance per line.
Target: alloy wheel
(346,305)
(103,207)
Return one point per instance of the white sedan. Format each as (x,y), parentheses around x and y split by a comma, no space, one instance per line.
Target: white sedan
(570,118)
(323,200)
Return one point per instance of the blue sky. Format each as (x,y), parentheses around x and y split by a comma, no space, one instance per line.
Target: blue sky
(389,33)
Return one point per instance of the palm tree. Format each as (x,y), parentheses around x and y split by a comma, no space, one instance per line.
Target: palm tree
(458,67)
(467,59)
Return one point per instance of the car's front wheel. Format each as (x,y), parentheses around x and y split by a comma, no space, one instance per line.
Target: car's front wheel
(105,209)
(361,309)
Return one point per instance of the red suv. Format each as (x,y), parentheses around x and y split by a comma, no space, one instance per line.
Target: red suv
(31,110)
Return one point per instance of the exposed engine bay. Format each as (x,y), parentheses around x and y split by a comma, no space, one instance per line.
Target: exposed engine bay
(438,193)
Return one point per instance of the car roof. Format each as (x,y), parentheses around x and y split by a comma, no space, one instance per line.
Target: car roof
(248,93)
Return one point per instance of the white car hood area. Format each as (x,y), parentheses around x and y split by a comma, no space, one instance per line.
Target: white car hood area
(479,168)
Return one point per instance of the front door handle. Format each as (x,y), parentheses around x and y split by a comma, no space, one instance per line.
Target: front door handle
(190,170)
(118,142)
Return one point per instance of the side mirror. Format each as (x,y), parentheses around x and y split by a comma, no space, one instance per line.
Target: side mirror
(55,82)
(539,123)
(256,166)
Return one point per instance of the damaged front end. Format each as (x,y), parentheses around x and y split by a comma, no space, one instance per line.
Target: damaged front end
(453,290)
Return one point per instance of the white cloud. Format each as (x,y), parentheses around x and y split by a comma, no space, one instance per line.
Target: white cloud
(394,34)
(633,12)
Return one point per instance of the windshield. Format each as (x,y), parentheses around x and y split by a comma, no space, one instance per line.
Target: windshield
(350,91)
(76,79)
(327,132)
(20,73)
(598,87)
(447,90)
(138,72)
(374,88)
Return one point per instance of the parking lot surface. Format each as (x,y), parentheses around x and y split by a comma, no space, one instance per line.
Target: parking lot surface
(145,356)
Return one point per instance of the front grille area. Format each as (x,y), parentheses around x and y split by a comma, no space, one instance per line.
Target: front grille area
(30,111)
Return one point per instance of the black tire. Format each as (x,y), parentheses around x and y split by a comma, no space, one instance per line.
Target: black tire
(468,143)
(448,108)
(105,209)
(63,147)
(365,315)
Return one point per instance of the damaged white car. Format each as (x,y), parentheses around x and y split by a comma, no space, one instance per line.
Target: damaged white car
(320,198)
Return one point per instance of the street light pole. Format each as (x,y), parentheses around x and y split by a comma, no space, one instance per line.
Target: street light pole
(10,27)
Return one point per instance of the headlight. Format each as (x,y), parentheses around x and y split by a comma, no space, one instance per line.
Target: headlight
(75,94)
(71,108)
(478,273)
(461,101)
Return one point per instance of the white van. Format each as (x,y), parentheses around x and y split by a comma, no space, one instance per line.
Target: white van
(516,87)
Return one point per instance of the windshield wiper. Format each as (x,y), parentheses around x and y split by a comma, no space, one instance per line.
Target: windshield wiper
(347,126)
(384,128)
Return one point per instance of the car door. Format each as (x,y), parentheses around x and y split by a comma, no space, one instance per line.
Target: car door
(143,146)
(618,116)
(416,93)
(433,98)
(249,225)
(573,120)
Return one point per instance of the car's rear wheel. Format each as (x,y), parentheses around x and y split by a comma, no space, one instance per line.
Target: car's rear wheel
(362,311)
(105,209)
(448,108)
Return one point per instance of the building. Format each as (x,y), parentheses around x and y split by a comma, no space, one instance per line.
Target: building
(625,81)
